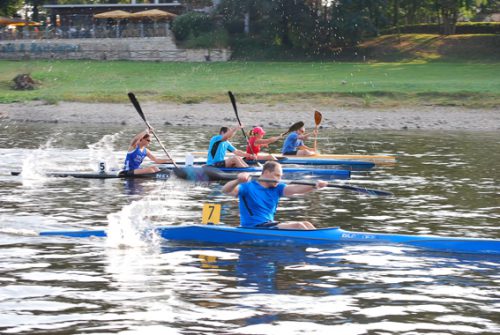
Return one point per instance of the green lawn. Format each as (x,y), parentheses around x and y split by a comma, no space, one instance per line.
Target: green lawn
(467,84)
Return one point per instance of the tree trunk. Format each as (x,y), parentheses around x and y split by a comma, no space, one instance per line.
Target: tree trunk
(449,14)
(246,27)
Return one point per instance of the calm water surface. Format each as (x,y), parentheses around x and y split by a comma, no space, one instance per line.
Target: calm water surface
(444,184)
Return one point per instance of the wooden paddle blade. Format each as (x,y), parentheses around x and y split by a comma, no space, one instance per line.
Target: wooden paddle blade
(317,118)
(138,108)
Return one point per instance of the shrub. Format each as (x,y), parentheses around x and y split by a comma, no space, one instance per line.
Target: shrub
(191,24)
(434,28)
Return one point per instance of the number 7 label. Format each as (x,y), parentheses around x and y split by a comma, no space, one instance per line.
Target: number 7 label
(211,213)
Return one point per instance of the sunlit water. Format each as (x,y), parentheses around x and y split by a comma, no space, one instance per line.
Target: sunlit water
(444,184)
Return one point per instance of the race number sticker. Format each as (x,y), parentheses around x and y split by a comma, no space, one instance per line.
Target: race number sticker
(211,213)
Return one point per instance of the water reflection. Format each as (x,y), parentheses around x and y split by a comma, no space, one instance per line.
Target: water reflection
(444,184)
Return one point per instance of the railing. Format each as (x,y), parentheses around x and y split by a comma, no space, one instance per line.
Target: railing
(159,29)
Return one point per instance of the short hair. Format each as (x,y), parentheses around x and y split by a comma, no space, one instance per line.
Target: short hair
(223,130)
(270,166)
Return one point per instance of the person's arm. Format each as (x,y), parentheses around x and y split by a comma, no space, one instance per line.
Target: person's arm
(158,160)
(267,141)
(240,153)
(231,187)
(230,133)
(136,139)
(303,189)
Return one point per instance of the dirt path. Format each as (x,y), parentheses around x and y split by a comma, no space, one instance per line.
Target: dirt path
(276,116)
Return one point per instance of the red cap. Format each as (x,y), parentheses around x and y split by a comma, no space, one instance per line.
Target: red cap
(258,130)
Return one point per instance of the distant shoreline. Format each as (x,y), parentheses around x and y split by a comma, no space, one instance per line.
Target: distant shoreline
(270,116)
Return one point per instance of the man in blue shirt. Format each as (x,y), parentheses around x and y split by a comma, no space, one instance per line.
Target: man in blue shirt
(294,144)
(218,146)
(258,199)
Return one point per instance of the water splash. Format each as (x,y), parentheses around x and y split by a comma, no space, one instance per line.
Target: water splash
(37,162)
(132,226)
(104,151)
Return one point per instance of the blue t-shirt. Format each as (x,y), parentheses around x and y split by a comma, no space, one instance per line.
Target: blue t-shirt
(134,159)
(217,149)
(257,203)
(291,143)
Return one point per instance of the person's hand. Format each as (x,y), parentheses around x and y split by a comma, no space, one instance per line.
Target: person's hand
(251,157)
(243,177)
(321,184)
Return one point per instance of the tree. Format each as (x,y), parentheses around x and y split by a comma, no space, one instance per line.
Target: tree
(10,7)
(450,10)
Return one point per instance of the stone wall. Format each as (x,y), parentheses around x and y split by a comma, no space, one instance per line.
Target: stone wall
(145,49)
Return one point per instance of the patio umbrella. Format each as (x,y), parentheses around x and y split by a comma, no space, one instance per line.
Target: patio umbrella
(116,15)
(152,14)
(25,23)
(7,20)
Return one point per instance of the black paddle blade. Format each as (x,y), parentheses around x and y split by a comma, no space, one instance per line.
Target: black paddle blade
(233,102)
(294,127)
(138,108)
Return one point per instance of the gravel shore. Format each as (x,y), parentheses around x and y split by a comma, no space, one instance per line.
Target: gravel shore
(270,116)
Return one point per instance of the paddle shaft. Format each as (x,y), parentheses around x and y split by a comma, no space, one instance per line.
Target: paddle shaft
(233,102)
(345,187)
(138,108)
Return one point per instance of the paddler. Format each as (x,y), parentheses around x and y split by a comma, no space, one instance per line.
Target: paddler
(256,141)
(218,146)
(136,153)
(294,143)
(258,199)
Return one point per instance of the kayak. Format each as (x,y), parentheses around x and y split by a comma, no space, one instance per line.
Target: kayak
(199,173)
(163,174)
(212,173)
(375,159)
(357,165)
(316,159)
(222,234)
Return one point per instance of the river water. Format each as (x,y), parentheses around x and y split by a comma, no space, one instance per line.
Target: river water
(444,184)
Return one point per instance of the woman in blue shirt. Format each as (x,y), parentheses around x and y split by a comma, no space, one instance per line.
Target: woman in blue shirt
(258,200)
(294,144)
(136,153)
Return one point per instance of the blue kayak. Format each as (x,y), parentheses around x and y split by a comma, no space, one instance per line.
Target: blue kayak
(341,163)
(200,173)
(222,234)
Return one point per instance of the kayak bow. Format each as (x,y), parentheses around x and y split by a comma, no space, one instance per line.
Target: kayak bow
(163,174)
(221,234)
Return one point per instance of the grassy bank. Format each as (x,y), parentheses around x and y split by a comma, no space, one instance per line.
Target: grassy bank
(341,84)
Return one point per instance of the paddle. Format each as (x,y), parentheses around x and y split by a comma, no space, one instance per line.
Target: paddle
(233,102)
(363,190)
(294,127)
(317,121)
(138,108)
